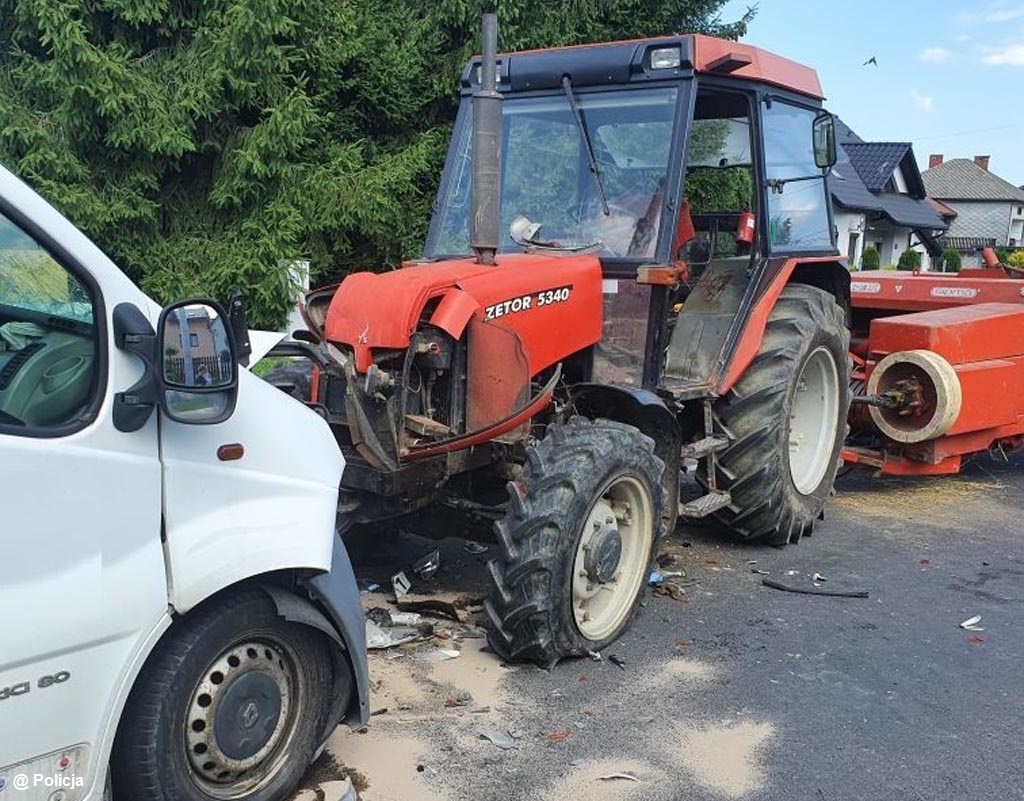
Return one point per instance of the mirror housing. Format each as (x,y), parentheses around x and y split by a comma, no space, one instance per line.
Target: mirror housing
(197,362)
(823,134)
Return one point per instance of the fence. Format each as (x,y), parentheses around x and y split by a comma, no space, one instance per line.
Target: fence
(217,367)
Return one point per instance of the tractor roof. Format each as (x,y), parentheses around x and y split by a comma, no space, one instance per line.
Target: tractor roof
(630,61)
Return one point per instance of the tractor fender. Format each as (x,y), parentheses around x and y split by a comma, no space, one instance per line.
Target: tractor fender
(637,407)
(824,272)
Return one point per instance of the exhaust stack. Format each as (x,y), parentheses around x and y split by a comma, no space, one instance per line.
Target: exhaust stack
(485,191)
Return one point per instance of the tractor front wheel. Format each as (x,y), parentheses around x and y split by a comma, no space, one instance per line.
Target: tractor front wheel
(577,542)
(785,420)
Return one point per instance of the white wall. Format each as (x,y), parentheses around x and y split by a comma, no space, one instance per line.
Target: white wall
(847,223)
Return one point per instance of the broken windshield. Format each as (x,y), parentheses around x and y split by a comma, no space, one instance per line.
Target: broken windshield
(546,174)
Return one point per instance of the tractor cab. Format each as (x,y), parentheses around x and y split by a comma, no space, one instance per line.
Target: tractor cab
(687,153)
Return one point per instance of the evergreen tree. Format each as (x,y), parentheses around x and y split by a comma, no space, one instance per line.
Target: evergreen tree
(206,145)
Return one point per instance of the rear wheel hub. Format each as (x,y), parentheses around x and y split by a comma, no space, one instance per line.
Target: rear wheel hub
(603,553)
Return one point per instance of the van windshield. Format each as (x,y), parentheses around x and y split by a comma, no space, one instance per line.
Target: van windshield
(546,173)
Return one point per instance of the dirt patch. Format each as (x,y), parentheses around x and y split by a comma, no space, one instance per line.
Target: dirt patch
(584,781)
(393,683)
(475,673)
(388,761)
(673,674)
(939,501)
(726,758)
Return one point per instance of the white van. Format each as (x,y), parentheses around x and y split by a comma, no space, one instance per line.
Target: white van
(178,618)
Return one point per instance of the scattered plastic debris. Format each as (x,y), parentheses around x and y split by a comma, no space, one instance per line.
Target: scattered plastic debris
(474,547)
(655,579)
(613,776)
(366,586)
(594,655)
(925,562)
(501,739)
(378,637)
(971,624)
(775,585)
(557,736)
(400,584)
(759,572)
(618,661)
(426,566)
(439,655)
(792,572)
(818,577)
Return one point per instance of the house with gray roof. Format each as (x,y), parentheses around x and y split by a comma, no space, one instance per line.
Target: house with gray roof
(879,200)
(989,211)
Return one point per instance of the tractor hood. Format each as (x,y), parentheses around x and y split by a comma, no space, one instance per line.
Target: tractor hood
(551,301)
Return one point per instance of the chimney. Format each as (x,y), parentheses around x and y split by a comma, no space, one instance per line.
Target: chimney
(982,161)
(934,160)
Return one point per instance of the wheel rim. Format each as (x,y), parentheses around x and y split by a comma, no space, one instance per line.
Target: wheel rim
(813,420)
(242,717)
(611,557)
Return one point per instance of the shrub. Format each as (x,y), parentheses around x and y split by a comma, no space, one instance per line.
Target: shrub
(1016,259)
(870,260)
(909,260)
(1002,254)
(950,261)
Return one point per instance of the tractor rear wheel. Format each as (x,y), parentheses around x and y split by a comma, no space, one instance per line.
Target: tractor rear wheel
(785,420)
(576,544)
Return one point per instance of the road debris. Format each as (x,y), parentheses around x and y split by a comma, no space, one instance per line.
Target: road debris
(449,609)
(971,624)
(818,577)
(379,637)
(400,584)
(618,661)
(594,655)
(502,740)
(975,639)
(557,736)
(427,566)
(613,776)
(439,655)
(672,589)
(475,548)
(775,585)
(655,579)
(759,572)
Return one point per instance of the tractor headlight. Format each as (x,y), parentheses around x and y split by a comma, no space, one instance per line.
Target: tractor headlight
(664,58)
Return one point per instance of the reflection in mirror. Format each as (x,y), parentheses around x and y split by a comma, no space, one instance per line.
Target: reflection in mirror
(196,349)
(192,407)
(824,133)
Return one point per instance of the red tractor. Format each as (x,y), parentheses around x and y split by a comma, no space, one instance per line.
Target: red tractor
(668,291)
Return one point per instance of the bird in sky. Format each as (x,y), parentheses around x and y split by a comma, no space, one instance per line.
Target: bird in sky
(871,60)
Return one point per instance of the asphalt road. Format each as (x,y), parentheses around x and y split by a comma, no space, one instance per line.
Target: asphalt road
(746,692)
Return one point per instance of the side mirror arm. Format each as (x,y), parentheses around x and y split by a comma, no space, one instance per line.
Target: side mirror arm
(134,333)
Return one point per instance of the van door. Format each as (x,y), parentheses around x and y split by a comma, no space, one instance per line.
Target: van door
(82,580)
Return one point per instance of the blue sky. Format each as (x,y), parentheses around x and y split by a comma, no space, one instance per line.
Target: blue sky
(950,75)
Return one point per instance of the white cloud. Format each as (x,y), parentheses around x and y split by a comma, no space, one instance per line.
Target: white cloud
(1011,54)
(936,55)
(924,102)
(992,14)
(1005,14)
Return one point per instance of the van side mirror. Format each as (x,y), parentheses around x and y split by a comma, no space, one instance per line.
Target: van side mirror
(824,138)
(198,362)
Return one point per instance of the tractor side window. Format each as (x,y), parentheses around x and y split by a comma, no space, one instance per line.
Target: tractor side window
(48,345)
(797,200)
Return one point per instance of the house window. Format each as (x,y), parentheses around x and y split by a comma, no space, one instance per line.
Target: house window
(193,340)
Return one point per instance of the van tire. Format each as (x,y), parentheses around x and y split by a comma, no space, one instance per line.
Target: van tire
(230,683)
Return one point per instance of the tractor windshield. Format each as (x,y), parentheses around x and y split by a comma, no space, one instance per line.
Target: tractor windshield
(546,173)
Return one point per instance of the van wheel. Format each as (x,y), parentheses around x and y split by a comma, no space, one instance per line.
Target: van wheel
(230,707)
(576,543)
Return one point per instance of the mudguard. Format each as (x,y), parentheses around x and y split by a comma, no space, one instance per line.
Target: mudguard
(637,407)
(338,594)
